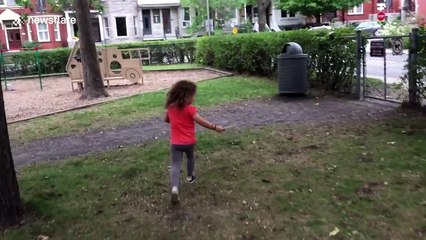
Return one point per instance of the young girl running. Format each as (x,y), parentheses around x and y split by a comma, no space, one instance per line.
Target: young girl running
(182,115)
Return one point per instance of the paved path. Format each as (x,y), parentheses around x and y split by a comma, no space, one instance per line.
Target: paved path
(242,114)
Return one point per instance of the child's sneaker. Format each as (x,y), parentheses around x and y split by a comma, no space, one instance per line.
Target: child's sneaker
(191,179)
(175,195)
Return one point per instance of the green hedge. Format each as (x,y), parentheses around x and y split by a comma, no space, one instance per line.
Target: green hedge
(166,52)
(331,57)
(51,61)
(421,78)
(54,61)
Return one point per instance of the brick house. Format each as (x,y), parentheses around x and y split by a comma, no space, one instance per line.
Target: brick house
(40,26)
(420,8)
(368,11)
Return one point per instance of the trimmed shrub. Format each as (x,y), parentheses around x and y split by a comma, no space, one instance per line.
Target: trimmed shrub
(165,52)
(51,61)
(55,60)
(332,59)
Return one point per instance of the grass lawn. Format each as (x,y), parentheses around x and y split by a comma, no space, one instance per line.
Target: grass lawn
(210,93)
(168,67)
(277,182)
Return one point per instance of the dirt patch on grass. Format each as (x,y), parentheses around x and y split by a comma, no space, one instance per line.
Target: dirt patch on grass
(25,99)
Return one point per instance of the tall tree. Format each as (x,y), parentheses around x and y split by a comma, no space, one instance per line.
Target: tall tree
(62,5)
(93,82)
(316,8)
(263,7)
(11,210)
(223,8)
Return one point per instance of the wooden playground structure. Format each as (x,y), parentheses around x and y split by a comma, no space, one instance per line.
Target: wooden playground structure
(115,64)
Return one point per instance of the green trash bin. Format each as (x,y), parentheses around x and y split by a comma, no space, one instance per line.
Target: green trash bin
(292,70)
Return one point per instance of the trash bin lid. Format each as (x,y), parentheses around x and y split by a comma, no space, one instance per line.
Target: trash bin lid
(292,48)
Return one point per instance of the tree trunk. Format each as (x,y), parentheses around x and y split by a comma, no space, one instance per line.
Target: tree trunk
(404,11)
(11,210)
(262,6)
(93,82)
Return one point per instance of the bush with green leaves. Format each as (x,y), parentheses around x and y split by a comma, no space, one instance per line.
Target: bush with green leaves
(332,59)
(29,45)
(55,60)
(51,61)
(421,71)
(396,28)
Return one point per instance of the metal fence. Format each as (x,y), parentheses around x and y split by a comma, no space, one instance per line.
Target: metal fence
(382,67)
(420,70)
(392,68)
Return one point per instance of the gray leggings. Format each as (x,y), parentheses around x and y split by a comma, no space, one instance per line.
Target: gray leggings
(177,154)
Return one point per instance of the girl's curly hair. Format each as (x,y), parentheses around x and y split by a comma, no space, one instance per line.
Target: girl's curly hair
(181,93)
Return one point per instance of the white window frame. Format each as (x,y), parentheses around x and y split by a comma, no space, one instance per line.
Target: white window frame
(116,29)
(38,33)
(154,16)
(4,4)
(357,10)
(135,26)
(39,3)
(57,29)
(106,27)
(186,23)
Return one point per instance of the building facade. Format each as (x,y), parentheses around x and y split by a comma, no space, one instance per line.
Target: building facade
(368,11)
(36,24)
(277,19)
(420,7)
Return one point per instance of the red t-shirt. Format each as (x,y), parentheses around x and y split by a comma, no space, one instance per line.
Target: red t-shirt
(182,126)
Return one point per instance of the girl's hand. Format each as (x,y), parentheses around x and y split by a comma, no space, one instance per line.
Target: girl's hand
(219,129)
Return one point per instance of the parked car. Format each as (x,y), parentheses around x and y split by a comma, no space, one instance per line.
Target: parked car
(370,28)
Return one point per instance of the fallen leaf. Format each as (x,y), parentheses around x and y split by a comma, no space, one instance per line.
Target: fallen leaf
(334,232)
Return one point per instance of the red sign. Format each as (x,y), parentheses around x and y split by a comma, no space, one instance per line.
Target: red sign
(381,16)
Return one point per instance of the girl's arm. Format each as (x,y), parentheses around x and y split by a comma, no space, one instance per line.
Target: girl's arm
(203,122)
(166,118)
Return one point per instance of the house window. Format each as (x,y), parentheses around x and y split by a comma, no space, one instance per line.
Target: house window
(186,17)
(106,24)
(135,26)
(156,14)
(41,5)
(255,12)
(57,32)
(2,2)
(121,26)
(10,24)
(387,3)
(43,32)
(287,14)
(356,10)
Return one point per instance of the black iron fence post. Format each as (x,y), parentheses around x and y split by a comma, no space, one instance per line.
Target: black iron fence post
(359,49)
(412,67)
